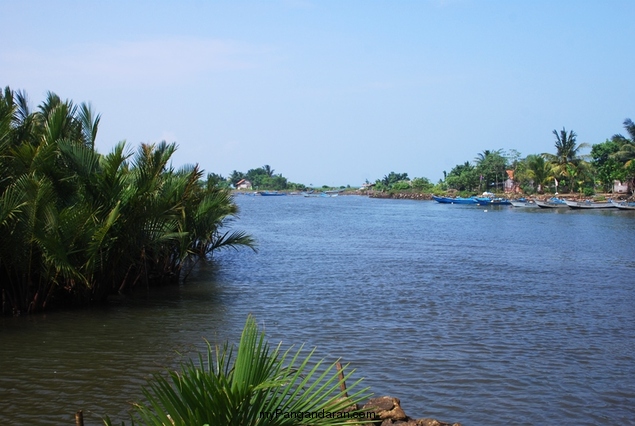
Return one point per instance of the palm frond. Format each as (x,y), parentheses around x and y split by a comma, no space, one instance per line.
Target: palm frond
(261,387)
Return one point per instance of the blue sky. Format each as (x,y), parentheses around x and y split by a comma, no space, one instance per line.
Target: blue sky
(330,92)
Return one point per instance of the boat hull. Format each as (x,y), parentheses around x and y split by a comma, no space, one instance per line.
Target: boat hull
(623,205)
(584,205)
(524,204)
(553,203)
(457,200)
(492,201)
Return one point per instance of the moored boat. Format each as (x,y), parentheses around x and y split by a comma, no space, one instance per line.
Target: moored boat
(494,201)
(272,193)
(551,203)
(624,205)
(320,195)
(454,200)
(525,203)
(588,204)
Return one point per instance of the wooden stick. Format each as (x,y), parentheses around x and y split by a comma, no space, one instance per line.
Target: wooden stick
(340,374)
(79,418)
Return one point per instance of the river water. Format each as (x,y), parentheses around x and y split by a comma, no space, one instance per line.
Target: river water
(497,317)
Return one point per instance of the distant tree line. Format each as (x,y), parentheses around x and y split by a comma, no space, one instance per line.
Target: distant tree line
(260,178)
(566,170)
(77,225)
(401,182)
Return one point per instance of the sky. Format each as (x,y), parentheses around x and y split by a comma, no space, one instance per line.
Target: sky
(330,92)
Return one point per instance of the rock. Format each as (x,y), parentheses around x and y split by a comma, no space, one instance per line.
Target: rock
(418,422)
(386,407)
(388,412)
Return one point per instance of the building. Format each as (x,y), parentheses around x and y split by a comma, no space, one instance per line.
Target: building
(619,187)
(243,184)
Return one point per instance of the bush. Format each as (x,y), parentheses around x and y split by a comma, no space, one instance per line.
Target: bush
(400,186)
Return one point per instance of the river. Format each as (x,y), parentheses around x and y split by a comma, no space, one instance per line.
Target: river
(497,317)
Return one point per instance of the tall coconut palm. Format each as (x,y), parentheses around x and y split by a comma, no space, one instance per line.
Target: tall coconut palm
(567,157)
(626,151)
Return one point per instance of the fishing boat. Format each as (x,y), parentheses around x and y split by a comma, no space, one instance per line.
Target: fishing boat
(454,200)
(624,205)
(588,204)
(551,203)
(524,203)
(319,195)
(492,201)
(272,193)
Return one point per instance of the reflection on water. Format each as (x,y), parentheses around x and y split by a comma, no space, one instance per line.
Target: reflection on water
(497,317)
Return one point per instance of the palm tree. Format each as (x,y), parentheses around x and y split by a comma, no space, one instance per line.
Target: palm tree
(626,151)
(538,171)
(268,170)
(76,225)
(567,156)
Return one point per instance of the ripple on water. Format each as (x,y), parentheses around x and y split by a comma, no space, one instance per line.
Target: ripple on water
(506,318)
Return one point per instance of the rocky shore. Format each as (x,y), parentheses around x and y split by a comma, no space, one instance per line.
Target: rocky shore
(388,412)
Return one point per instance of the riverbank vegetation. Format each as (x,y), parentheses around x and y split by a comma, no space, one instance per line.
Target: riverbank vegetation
(261,386)
(77,225)
(565,170)
(263,178)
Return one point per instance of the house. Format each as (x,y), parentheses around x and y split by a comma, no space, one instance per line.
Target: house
(367,186)
(510,185)
(243,184)
(619,187)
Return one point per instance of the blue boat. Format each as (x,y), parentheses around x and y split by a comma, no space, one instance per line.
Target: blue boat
(272,193)
(455,200)
(494,201)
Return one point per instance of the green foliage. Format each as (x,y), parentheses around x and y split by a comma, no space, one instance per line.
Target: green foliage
(393,181)
(221,390)
(400,186)
(463,177)
(262,178)
(607,167)
(491,168)
(567,165)
(76,225)
(392,178)
(625,154)
(422,184)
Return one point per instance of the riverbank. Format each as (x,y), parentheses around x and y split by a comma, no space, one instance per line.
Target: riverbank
(541,197)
